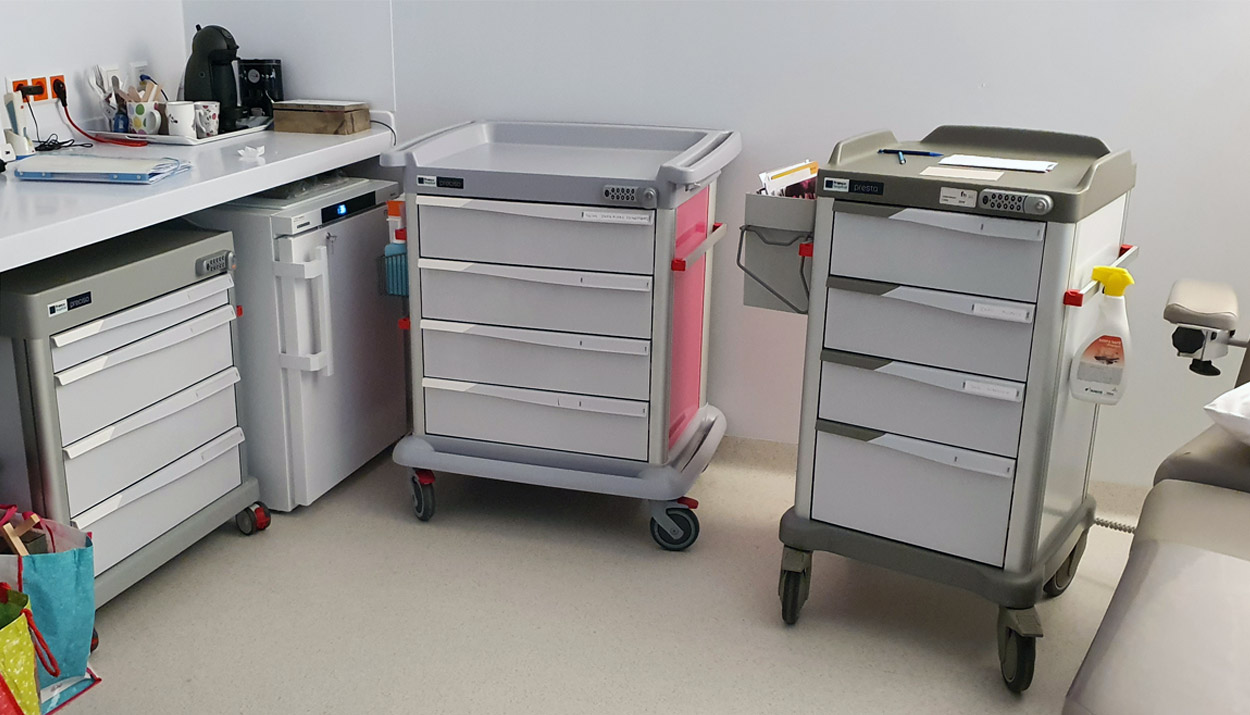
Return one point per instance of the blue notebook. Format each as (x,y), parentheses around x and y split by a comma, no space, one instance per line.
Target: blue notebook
(99,169)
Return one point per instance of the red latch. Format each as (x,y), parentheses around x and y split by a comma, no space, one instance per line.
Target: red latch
(238,311)
(1126,247)
(401,235)
(807,249)
(424,477)
(1074,298)
(405,323)
(688,502)
(679,264)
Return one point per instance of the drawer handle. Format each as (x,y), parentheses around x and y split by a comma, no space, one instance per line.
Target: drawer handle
(165,339)
(939,453)
(553,212)
(158,306)
(171,405)
(576,279)
(604,405)
(972,224)
(973,306)
(945,379)
(572,341)
(162,478)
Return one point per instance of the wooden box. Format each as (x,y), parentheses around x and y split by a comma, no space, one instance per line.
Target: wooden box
(319,116)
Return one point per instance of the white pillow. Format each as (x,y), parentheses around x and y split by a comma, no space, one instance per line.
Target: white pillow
(1231,411)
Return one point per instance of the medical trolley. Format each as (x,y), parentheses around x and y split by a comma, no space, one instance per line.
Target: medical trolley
(949,294)
(559,279)
(120,359)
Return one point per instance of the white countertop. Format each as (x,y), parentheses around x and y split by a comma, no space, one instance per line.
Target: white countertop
(42,219)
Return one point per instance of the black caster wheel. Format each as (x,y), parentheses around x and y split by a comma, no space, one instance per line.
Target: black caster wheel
(95,639)
(423,495)
(792,594)
(253,519)
(1067,571)
(1016,657)
(687,523)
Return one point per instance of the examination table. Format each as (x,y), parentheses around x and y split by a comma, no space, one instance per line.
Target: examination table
(1176,637)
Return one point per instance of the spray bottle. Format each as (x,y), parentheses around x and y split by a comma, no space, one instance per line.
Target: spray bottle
(1098,367)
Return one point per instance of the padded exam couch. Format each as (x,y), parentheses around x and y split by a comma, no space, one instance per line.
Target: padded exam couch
(1176,637)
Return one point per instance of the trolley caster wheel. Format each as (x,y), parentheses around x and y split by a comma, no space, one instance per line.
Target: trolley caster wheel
(1018,631)
(423,495)
(1067,570)
(253,519)
(95,639)
(793,591)
(687,526)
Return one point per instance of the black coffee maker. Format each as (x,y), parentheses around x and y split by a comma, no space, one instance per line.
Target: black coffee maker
(210,73)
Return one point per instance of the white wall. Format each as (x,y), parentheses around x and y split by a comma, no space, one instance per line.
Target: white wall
(109,33)
(1163,79)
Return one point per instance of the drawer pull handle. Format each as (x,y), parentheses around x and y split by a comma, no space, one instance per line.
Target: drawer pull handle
(165,339)
(974,224)
(973,306)
(936,377)
(158,306)
(553,212)
(576,279)
(604,405)
(595,343)
(939,453)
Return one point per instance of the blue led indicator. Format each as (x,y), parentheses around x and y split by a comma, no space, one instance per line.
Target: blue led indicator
(342,209)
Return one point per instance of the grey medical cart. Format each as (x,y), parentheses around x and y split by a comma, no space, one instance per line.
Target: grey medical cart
(938,435)
(558,283)
(119,358)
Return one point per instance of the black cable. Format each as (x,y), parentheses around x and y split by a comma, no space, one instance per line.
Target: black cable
(53,142)
(394,136)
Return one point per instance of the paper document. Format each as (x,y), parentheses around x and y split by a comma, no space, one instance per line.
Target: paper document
(778,179)
(957,173)
(993,162)
(101,169)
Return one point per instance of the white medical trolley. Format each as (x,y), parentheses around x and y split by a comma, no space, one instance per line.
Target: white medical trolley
(559,276)
(949,294)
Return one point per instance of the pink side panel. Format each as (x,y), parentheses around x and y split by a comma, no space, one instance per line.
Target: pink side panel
(686,380)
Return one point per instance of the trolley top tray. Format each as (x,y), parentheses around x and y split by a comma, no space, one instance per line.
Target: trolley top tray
(566,163)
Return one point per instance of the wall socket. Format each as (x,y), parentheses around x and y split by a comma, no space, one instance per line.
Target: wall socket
(113,78)
(137,70)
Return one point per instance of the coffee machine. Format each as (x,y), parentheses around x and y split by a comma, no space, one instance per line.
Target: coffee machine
(210,73)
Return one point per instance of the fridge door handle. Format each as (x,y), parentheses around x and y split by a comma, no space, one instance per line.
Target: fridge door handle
(316,271)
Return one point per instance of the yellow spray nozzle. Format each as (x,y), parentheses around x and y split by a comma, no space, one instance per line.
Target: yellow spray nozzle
(1113,279)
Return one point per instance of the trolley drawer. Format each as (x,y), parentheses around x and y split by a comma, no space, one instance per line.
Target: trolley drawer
(543,298)
(106,462)
(564,362)
(964,410)
(532,418)
(531,234)
(939,249)
(129,520)
(942,498)
(123,327)
(107,388)
(968,333)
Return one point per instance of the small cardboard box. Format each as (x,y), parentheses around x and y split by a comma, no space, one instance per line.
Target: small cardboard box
(320,116)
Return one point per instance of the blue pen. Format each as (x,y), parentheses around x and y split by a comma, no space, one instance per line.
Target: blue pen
(903,153)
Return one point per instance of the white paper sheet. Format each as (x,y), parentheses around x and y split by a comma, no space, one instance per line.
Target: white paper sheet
(957,173)
(994,162)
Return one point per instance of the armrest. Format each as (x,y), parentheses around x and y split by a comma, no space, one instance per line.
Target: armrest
(1214,457)
(1202,304)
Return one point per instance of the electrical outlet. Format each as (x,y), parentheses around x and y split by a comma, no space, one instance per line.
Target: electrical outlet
(42,84)
(17,85)
(137,70)
(52,83)
(113,79)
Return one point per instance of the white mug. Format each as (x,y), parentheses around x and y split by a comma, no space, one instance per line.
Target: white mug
(181,118)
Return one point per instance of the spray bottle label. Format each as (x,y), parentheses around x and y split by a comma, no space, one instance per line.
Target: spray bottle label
(1102,362)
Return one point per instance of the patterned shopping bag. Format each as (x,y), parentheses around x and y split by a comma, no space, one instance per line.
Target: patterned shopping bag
(20,643)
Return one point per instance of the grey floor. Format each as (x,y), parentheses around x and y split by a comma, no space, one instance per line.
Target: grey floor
(527,600)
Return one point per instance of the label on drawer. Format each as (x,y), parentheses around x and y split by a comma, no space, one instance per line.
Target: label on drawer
(997,311)
(617,217)
(990,389)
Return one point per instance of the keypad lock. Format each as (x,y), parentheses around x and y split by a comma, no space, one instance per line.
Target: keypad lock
(1016,202)
(217,263)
